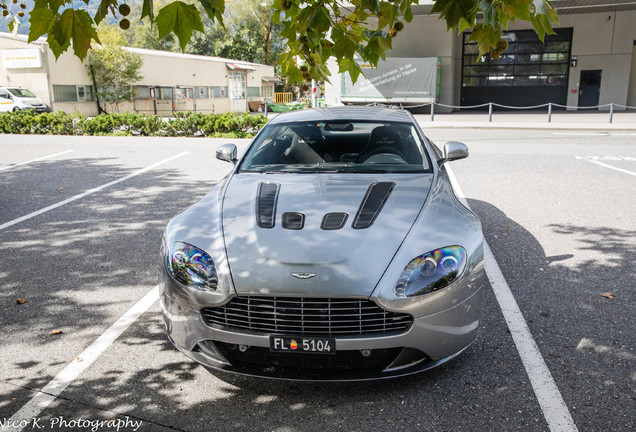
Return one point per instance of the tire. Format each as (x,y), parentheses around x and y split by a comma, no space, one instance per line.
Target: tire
(16,109)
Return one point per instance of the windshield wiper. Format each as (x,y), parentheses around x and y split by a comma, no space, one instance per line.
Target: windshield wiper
(363,171)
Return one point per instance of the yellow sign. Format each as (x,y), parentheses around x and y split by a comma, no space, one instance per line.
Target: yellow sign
(21,58)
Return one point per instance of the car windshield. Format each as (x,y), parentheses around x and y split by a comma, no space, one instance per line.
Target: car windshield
(20,92)
(343,147)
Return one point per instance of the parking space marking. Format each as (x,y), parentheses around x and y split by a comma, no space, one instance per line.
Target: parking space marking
(35,160)
(593,134)
(88,192)
(56,386)
(613,167)
(548,395)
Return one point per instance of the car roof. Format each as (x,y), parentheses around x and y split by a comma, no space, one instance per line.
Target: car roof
(344,113)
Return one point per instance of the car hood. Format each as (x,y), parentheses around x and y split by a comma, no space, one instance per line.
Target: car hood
(313,261)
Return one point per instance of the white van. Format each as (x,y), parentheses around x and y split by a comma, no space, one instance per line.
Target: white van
(16,99)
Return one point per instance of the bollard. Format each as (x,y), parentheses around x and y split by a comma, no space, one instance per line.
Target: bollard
(611,112)
(550,112)
(490,112)
(265,108)
(432,111)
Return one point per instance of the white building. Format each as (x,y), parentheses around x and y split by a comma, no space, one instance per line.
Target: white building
(171,81)
(590,62)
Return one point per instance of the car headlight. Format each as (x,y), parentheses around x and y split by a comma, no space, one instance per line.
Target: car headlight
(191,266)
(431,271)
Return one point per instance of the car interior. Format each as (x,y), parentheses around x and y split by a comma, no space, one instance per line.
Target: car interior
(336,144)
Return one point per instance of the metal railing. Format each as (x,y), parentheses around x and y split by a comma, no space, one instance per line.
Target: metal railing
(286,97)
(490,106)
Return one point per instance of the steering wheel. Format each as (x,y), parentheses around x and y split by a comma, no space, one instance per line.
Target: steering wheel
(382,149)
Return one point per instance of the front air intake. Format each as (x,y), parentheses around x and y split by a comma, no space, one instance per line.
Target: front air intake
(334,221)
(266,204)
(306,316)
(372,204)
(293,220)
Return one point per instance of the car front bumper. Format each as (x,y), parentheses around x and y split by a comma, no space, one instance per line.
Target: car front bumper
(430,341)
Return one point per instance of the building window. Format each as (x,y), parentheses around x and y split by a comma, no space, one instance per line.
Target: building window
(526,62)
(267,91)
(237,85)
(219,92)
(202,92)
(184,93)
(165,93)
(142,92)
(253,91)
(529,73)
(81,93)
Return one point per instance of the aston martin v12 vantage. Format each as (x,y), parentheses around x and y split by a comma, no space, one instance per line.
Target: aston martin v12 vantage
(334,250)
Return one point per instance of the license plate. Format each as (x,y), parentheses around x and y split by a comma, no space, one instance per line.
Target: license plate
(302,344)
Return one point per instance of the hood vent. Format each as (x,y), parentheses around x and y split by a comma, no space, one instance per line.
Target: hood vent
(372,204)
(266,205)
(334,221)
(293,221)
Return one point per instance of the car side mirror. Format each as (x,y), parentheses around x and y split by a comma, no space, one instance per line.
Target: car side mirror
(227,153)
(454,150)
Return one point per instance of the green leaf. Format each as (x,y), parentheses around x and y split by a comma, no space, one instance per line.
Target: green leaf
(147,10)
(102,10)
(180,18)
(543,18)
(452,11)
(389,12)
(408,15)
(288,32)
(75,25)
(41,22)
(214,9)
(490,13)
(82,33)
(320,21)
(345,45)
(372,5)
(53,5)
(13,25)
(485,36)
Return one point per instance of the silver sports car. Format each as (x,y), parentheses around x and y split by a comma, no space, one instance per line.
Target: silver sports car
(334,250)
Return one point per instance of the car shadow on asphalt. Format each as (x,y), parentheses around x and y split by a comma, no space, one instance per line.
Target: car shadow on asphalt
(579,307)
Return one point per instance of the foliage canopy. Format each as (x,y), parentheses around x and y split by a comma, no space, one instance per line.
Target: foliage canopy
(315,29)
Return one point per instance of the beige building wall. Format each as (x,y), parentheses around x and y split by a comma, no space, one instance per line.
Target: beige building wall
(159,69)
(34,79)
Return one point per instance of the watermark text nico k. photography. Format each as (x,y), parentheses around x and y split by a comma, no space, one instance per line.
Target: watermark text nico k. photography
(120,424)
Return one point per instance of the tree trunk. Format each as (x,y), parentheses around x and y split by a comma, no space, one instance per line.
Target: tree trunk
(100,110)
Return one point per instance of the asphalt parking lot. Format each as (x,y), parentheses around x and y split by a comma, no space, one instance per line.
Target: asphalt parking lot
(80,227)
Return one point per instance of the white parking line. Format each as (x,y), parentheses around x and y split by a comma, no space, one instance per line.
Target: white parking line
(613,167)
(34,160)
(57,385)
(88,192)
(550,400)
(593,134)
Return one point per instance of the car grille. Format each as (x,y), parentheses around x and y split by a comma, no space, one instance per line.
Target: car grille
(313,316)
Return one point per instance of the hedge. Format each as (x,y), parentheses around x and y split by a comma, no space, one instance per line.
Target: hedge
(185,124)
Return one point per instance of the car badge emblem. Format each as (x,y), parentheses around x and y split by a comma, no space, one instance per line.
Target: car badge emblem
(303,275)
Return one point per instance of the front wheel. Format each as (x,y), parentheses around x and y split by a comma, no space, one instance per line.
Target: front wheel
(16,109)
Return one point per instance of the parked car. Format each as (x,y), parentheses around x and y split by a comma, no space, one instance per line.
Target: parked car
(334,250)
(16,99)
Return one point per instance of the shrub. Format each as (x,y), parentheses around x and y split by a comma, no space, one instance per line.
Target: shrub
(230,125)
